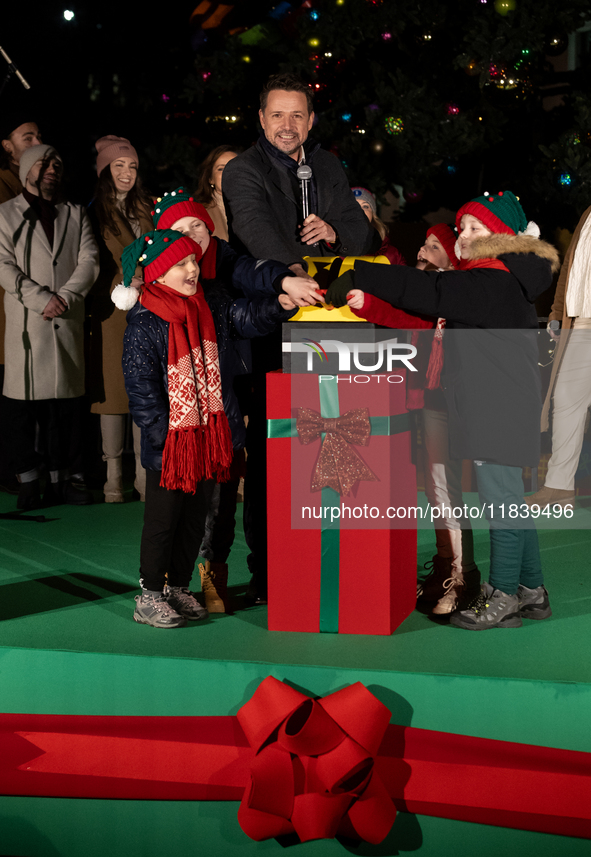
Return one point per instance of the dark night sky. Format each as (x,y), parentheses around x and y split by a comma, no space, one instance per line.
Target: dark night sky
(103,72)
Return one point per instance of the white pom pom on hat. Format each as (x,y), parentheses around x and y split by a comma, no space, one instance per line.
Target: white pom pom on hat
(125,297)
(532,229)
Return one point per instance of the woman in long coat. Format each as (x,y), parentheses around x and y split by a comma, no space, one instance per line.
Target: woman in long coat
(120,213)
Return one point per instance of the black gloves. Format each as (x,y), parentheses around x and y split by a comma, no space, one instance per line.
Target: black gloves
(339,288)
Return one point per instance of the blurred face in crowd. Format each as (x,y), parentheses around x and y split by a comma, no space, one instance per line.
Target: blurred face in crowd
(218,168)
(195,229)
(44,177)
(22,138)
(366,208)
(432,251)
(124,174)
(286,121)
(182,277)
(470,229)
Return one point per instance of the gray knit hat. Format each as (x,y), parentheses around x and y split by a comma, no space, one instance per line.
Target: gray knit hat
(362,194)
(33,154)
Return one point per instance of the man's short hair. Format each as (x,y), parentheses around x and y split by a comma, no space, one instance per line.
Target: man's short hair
(289,83)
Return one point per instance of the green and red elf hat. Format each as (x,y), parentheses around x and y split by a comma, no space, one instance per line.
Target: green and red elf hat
(501,213)
(176,204)
(156,252)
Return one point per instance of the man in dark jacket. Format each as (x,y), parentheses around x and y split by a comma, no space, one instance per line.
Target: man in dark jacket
(265,217)
(262,191)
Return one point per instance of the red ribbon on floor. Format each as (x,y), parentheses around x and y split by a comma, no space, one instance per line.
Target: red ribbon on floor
(463,777)
(313,773)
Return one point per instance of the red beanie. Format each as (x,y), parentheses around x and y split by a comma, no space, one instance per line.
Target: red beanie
(446,237)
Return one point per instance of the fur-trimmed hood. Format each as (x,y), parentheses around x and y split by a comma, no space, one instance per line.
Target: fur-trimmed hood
(498,244)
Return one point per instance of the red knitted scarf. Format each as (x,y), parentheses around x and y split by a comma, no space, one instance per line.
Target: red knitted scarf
(207,263)
(198,444)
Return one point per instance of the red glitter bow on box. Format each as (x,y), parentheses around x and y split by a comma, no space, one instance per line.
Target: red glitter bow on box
(338,466)
(313,773)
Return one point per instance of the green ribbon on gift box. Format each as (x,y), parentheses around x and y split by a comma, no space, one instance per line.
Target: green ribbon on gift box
(330,530)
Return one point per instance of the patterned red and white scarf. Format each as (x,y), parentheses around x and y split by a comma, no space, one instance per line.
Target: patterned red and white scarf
(199,443)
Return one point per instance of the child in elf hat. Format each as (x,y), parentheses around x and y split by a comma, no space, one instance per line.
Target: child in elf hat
(490,379)
(454,579)
(172,378)
(225,277)
(437,253)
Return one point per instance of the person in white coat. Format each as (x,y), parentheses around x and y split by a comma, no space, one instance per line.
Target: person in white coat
(48,263)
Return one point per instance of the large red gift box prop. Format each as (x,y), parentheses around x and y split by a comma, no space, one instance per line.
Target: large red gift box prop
(348,576)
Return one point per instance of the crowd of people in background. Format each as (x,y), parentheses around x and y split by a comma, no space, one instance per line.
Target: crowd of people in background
(164,312)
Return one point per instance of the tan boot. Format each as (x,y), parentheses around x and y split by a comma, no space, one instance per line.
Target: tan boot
(112,433)
(214,585)
(460,589)
(552,496)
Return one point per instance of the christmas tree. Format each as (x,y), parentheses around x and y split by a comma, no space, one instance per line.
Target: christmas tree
(442,100)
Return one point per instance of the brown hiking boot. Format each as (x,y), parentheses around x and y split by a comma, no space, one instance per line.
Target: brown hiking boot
(214,585)
(460,590)
(552,496)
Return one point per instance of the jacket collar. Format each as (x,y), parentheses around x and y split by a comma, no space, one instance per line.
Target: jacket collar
(282,174)
(497,245)
(60,224)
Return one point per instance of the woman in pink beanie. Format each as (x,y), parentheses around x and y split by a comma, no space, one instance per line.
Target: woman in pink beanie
(120,212)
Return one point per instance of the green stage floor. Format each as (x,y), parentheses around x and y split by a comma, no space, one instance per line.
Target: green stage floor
(68,645)
(68,584)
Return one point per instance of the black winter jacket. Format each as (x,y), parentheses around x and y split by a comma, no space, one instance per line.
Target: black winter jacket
(145,347)
(265,213)
(490,375)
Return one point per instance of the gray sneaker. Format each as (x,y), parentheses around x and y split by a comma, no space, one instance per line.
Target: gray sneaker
(153,609)
(184,602)
(492,609)
(533,603)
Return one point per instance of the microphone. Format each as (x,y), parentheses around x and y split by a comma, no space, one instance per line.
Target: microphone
(304,174)
(12,69)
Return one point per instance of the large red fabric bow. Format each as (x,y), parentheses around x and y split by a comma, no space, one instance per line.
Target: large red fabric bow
(338,466)
(313,773)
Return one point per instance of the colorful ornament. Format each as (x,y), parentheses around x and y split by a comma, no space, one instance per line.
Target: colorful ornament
(472,68)
(393,125)
(565,179)
(452,109)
